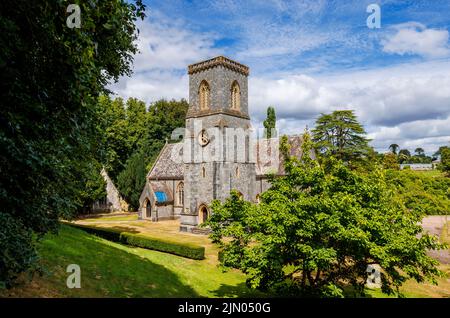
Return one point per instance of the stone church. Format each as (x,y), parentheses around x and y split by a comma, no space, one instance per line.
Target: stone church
(218,152)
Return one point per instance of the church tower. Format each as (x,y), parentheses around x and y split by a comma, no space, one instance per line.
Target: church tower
(217,146)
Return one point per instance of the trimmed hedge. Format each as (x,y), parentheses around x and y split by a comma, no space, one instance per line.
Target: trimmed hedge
(181,249)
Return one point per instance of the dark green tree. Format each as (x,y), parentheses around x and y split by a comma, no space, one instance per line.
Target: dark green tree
(419,152)
(131,180)
(340,135)
(270,123)
(50,78)
(316,230)
(445,160)
(394,148)
(404,156)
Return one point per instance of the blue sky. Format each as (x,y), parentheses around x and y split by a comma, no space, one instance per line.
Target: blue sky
(310,57)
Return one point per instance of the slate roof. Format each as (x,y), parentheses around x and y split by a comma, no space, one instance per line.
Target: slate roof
(165,166)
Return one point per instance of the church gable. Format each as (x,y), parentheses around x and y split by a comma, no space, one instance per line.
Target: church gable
(166,165)
(268,156)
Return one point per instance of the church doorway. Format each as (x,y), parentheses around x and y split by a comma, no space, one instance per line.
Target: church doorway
(203,214)
(148,209)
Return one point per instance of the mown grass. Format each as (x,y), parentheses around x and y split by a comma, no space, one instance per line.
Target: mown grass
(113,270)
(115,218)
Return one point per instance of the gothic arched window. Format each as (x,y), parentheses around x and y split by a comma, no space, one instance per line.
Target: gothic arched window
(180,193)
(235,96)
(204,95)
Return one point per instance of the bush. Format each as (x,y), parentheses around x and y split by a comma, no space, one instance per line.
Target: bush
(186,250)
(422,193)
(17,249)
(181,249)
(107,234)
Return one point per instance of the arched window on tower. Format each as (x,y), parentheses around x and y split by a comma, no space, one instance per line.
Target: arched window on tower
(180,194)
(204,95)
(235,96)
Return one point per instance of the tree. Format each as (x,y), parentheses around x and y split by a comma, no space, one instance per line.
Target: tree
(404,152)
(339,134)
(136,116)
(390,161)
(50,78)
(316,230)
(420,152)
(394,148)
(445,160)
(131,180)
(270,123)
(163,117)
(148,138)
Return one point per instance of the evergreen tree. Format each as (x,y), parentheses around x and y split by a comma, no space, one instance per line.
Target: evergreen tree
(270,123)
(339,134)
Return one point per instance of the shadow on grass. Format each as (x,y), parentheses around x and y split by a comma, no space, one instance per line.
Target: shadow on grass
(123,229)
(107,269)
(240,290)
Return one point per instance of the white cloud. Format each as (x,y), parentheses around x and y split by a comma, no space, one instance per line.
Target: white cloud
(409,104)
(166,49)
(415,39)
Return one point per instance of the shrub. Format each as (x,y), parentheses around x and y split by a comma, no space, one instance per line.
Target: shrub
(108,234)
(420,192)
(181,249)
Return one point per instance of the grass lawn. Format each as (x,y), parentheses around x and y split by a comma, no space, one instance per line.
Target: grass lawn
(110,269)
(113,270)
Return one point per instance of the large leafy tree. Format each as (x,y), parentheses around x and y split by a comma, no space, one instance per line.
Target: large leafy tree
(340,135)
(394,148)
(316,230)
(270,123)
(419,152)
(50,78)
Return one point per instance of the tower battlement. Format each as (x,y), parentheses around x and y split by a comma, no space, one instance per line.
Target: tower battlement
(219,61)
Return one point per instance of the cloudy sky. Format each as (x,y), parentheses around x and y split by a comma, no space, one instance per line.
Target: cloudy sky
(308,58)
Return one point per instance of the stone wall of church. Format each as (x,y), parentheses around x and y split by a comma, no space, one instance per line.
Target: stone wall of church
(220,80)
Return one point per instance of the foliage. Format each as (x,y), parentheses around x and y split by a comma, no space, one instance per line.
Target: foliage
(394,148)
(145,134)
(121,271)
(185,250)
(340,135)
(270,123)
(445,160)
(163,117)
(95,185)
(50,77)
(131,180)
(390,161)
(317,229)
(420,152)
(422,193)
(182,249)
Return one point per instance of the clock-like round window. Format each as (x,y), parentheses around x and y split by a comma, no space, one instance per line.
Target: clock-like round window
(203,138)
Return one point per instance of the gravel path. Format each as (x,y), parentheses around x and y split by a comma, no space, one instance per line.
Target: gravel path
(433,224)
